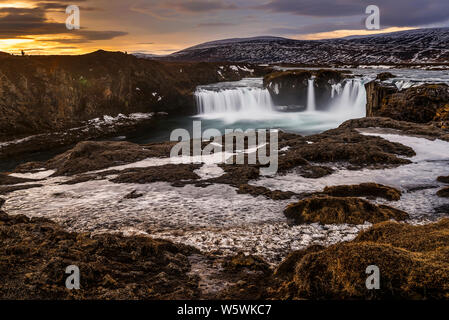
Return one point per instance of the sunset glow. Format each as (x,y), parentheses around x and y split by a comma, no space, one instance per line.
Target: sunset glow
(163,27)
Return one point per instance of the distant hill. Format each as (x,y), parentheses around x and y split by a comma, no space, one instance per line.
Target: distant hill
(413,46)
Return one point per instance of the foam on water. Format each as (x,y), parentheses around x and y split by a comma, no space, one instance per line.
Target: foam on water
(417,180)
(217,218)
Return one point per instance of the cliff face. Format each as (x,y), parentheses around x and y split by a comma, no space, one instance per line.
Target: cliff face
(375,93)
(421,104)
(47,93)
(290,87)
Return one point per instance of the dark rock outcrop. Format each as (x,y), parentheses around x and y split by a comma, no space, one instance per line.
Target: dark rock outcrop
(331,210)
(9,180)
(8,189)
(444,193)
(385,76)
(174,173)
(289,88)
(271,194)
(364,190)
(425,130)
(347,145)
(375,95)
(444,179)
(420,104)
(412,261)
(95,155)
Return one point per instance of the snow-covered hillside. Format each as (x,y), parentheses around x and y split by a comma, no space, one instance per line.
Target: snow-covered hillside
(414,46)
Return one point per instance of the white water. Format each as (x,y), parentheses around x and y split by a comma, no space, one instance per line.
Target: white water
(243,99)
(247,104)
(311,106)
(349,100)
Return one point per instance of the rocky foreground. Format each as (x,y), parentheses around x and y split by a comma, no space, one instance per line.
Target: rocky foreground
(413,260)
(35,252)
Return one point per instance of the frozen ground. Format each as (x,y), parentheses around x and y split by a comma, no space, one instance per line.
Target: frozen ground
(216,218)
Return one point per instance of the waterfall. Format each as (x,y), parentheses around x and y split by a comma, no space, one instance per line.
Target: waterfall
(311,96)
(242,99)
(351,100)
(248,101)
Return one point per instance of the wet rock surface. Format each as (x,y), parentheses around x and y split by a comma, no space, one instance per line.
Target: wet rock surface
(334,210)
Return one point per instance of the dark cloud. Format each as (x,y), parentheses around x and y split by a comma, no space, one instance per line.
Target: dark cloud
(23,22)
(398,13)
(164,9)
(60,6)
(317,28)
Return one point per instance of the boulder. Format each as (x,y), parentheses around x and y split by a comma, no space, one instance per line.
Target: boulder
(444,179)
(444,193)
(335,210)
(385,76)
(412,261)
(364,190)
(420,104)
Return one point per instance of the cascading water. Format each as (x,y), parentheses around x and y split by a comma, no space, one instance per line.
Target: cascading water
(234,100)
(247,104)
(311,105)
(351,100)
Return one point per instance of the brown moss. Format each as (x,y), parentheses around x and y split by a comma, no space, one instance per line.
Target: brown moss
(444,193)
(443,179)
(364,190)
(34,254)
(331,210)
(270,194)
(175,173)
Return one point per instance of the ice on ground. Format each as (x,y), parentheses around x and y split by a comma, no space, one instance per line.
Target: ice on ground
(216,218)
(417,180)
(37,175)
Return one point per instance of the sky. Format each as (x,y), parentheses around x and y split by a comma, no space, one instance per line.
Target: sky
(165,26)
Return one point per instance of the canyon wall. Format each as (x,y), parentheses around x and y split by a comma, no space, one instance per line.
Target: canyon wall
(48,93)
(290,88)
(420,104)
